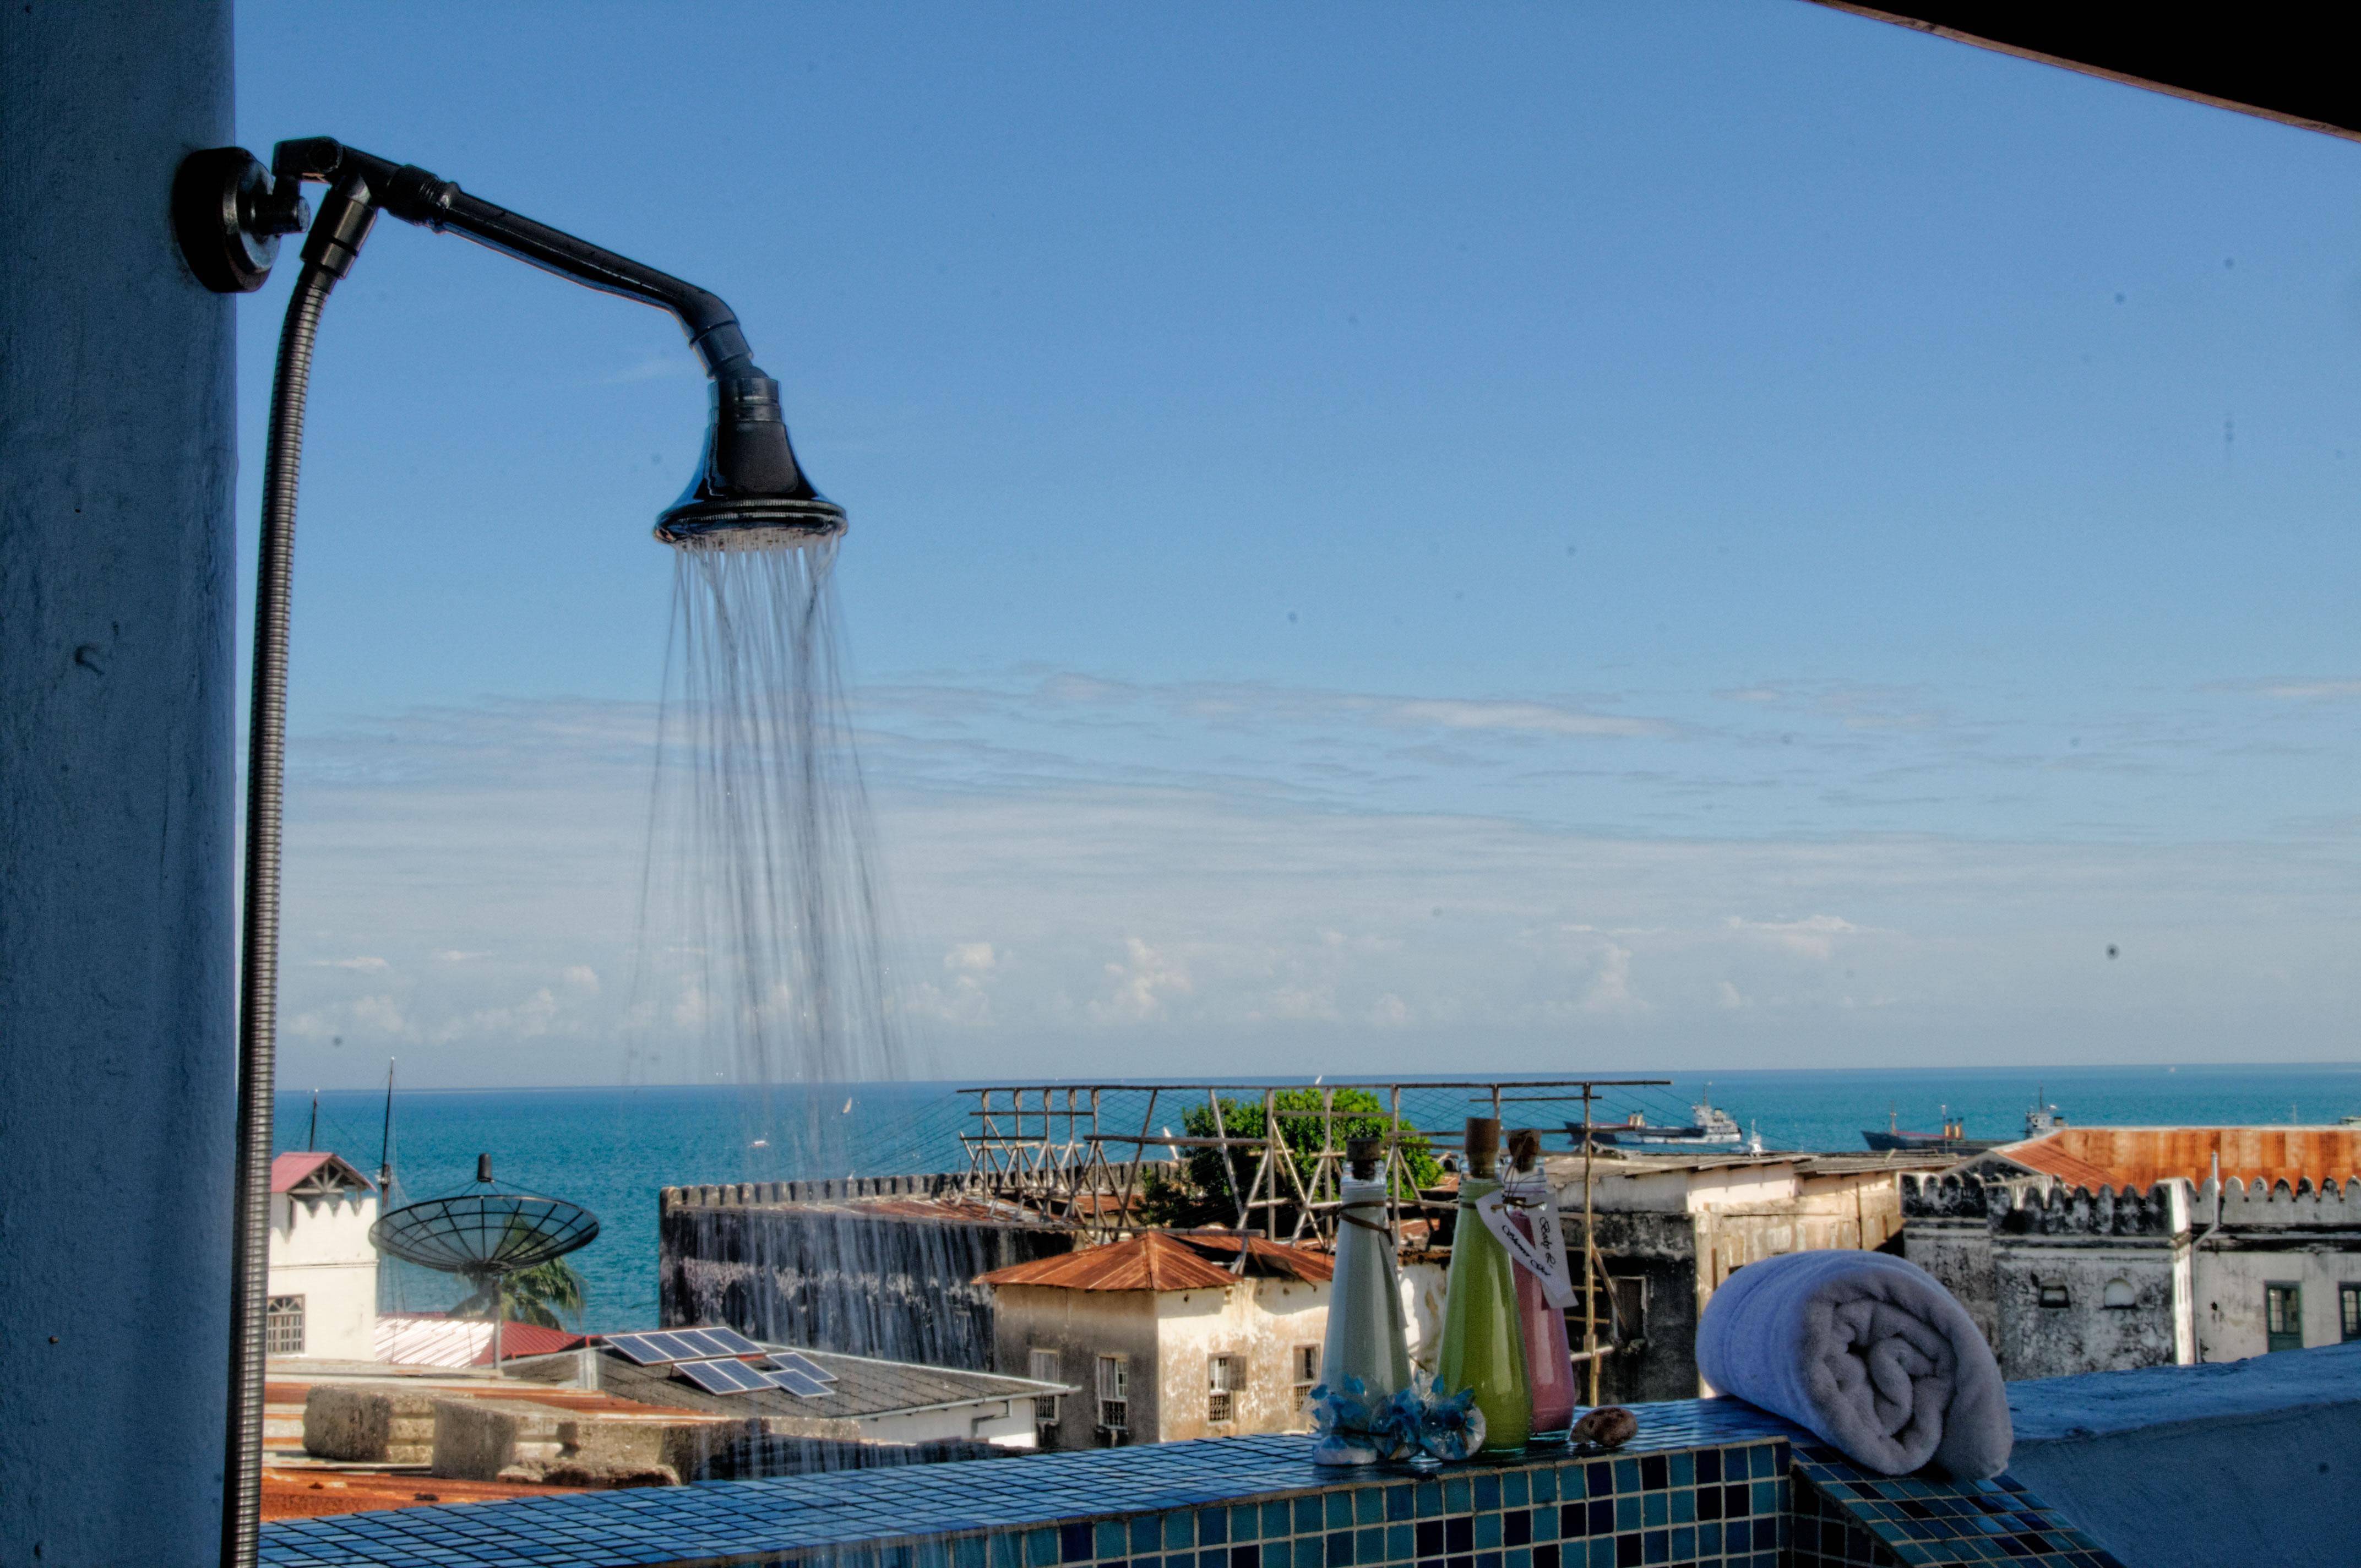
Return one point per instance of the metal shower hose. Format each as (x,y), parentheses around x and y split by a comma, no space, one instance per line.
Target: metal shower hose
(258,966)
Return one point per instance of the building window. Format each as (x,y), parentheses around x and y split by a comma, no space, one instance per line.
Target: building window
(1115,1398)
(1043,1366)
(1307,1373)
(2348,1311)
(282,1325)
(1224,1376)
(2119,1293)
(2055,1295)
(2283,1316)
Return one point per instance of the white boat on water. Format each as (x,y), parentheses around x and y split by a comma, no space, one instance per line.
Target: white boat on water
(1712,1130)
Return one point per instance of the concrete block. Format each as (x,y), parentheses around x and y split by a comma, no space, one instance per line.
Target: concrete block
(369,1425)
(476,1440)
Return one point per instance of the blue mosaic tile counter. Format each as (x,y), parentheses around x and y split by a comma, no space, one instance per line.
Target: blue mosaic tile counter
(1704,1481)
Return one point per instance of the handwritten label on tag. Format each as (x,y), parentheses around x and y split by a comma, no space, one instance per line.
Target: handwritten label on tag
(1541,1255)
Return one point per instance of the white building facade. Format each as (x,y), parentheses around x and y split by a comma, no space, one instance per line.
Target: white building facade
(322,1269)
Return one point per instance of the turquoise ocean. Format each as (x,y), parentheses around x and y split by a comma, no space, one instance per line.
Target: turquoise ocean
(612,1149)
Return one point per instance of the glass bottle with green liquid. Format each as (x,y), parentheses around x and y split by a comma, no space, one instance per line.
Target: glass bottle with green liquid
(1483,1332)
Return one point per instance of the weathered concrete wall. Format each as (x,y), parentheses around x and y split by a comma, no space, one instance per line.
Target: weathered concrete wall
(1659,1251)
(1078,1327)
(2273,1235)
(858,1276)
(1261,1321)
(2088,1280)
(117,453)
(2203,1466)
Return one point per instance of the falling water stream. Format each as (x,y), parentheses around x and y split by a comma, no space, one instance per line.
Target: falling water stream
(762,934)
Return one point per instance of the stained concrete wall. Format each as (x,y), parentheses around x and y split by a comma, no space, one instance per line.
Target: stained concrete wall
(1261,1322)
(1078,1327)
(116,934)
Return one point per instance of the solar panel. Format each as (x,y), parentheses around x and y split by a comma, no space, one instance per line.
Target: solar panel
(640,1348)
(718,1342)
(798,1383)
(788,1360)
(723,1377)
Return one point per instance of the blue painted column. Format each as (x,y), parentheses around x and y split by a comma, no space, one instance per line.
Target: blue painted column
(116,927)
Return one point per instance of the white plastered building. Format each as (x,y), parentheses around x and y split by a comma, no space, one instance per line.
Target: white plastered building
(323,1269)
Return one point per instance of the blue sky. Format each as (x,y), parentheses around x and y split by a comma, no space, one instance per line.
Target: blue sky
(1550,535)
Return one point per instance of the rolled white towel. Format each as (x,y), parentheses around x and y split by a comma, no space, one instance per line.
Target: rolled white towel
(1869,1352)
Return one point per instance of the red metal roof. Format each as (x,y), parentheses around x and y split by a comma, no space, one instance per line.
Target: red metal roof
(2141,1156)
(287,1170)
(1165,1260)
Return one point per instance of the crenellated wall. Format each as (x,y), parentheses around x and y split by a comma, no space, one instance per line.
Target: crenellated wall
(2061,1279)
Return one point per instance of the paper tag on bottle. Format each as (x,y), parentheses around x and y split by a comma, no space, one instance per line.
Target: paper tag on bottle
(1541,1255)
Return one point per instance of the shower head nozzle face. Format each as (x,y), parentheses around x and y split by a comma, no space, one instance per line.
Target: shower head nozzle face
(751,523)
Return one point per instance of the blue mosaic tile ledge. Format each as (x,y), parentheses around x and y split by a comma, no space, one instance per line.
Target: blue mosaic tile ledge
(1849,1517)
(1712,1482)
(1704,1481)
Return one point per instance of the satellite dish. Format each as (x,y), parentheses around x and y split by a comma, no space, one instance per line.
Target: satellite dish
(485,1233)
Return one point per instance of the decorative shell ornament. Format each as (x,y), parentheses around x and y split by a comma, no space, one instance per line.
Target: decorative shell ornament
(1608,1426)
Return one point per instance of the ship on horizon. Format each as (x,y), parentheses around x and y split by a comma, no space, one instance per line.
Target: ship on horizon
(2043,1119)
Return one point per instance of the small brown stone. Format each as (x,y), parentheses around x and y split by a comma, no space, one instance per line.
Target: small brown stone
(1610,1426)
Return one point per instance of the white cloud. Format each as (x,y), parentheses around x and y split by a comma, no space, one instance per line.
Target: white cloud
(1610,987)
(1290,926)
(365,965)
(1814,937)
(1507,718)
(970,958)
(582,977)
(535,1016)
(1141,983)
(1728,996)
(2313,691)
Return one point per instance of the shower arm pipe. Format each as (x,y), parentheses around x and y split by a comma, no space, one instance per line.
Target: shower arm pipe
(413,194)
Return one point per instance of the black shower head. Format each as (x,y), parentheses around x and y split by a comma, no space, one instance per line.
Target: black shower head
(749,493)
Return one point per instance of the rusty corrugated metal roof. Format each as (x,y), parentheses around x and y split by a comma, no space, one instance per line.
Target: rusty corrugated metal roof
(2142,1156)
(1165,1260)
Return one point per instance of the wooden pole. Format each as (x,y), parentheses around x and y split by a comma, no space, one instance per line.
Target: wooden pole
(1591,1270)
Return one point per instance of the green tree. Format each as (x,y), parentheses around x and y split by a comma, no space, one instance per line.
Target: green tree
(536,1295)
(1208,1187)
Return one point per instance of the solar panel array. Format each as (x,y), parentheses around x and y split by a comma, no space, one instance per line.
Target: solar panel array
(709,1358)
(684,1345)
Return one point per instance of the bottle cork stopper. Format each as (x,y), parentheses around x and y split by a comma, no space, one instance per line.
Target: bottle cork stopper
(1482,1145)
(1524,1148)
(1364,1155)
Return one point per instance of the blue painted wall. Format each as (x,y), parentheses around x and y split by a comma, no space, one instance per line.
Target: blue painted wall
(117,932)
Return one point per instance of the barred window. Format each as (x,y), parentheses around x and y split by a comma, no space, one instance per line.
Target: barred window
(1044,1367)
(1224,1378)
(1307,1369)
(1114,1396)
(2348,1306)
(282,1325)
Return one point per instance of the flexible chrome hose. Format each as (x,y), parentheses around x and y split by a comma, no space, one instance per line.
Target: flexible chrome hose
(258,1022)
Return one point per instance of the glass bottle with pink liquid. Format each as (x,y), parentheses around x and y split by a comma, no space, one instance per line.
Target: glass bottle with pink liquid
(1549,1367)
